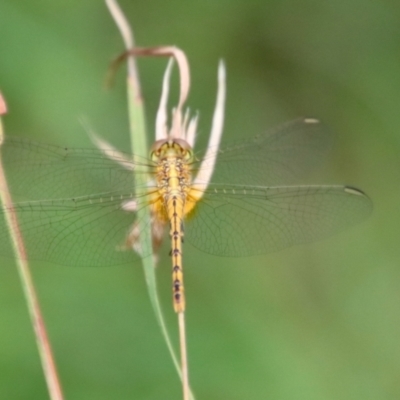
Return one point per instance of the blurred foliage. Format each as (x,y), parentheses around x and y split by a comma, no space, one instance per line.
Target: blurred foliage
(319,321)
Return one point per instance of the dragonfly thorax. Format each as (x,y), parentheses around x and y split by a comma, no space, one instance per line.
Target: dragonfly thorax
(172,177)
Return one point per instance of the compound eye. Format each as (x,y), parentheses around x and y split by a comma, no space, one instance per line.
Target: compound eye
(155,155)
(155,150)
(188,155)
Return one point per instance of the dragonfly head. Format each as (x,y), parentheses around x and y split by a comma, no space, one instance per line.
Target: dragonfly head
(167,148)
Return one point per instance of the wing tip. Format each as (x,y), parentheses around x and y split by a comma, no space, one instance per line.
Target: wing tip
(354,190)
(309,120)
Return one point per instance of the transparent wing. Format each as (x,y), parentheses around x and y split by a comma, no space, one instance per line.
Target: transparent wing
(69,202)
(37,171)
(247,220)
(280,156)
(85,231)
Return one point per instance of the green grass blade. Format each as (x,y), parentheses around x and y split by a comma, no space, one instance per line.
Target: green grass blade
(138,137)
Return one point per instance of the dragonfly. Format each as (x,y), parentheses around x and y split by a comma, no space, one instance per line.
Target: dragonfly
(79,207)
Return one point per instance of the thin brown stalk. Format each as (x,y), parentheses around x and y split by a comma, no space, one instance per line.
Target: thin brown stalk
(39,328)
(184,360)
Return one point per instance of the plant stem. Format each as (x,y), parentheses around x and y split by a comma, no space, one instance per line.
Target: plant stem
(184,362)
(39,328)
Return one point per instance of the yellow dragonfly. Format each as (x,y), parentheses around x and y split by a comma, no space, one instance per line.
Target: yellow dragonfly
(77,206)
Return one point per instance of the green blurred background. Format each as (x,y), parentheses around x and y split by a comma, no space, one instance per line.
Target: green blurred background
(319,321)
